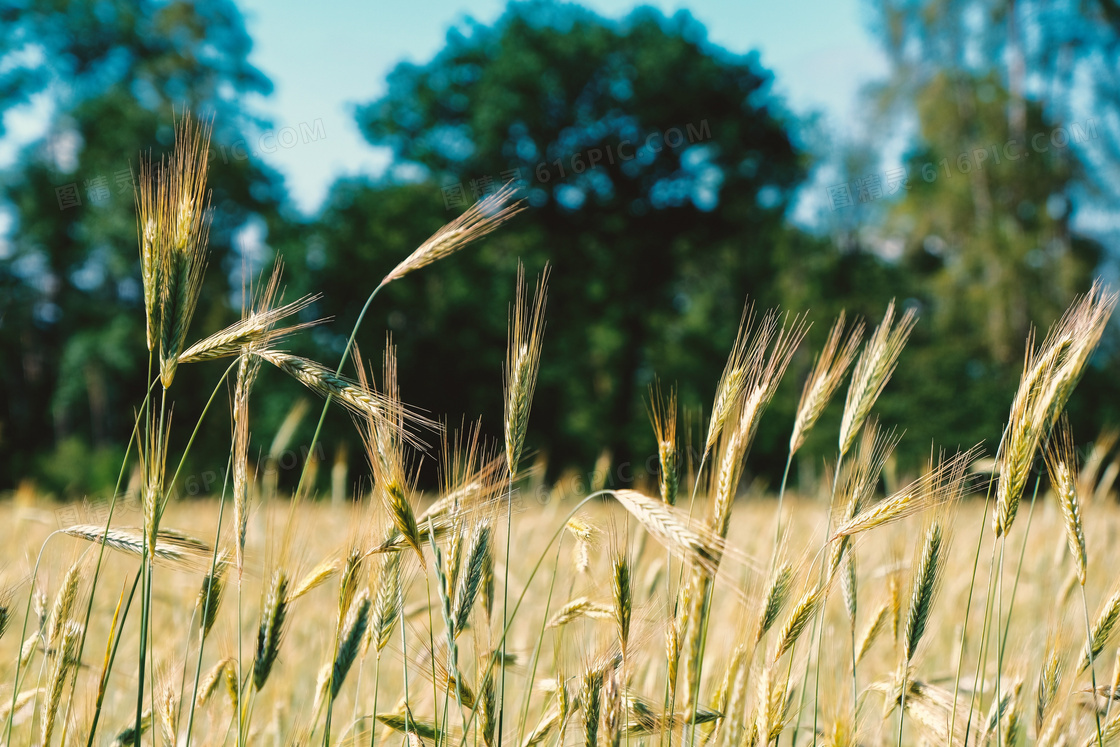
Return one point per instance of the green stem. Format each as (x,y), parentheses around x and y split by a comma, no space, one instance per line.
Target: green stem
(1019,567)
(240,671)
(967,609)
(97,571)
(705,611)
(999,639)
(818,615)
(982,655)
(338,371)
(778,523)
(146,563)
(532,574)
(855,681)
(902,703)
(206,605)
(1092,665)
(376,683)
(540,640)
(505,605)
(112,657)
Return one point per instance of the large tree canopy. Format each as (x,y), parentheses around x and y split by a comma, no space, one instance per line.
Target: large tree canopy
(658,168)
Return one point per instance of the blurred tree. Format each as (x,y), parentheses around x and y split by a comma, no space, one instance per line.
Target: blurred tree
(998,166)
(113,75)
(659,169)
(1061,56)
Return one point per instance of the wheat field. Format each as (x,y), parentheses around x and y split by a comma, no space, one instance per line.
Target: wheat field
(974,602)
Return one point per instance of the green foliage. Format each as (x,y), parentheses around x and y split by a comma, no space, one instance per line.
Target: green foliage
(71,308)
(654,247)
(652,257)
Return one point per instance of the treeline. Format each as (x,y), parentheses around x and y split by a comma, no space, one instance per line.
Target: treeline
(659,171)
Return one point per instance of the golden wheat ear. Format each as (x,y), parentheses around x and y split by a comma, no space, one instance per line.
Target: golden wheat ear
(663,416)
(872,372)
(826,377)
(270,629)
(526,335)
(182,219)
(172,547)
(257,328)
(482,218)
(1061,463)
(944,484)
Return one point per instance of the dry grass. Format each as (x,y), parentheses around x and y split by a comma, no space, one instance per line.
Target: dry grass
(285,703)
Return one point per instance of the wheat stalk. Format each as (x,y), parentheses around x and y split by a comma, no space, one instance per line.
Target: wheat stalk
(526,334)
(270,629)
(471,582)
(1062,465)
(663,415)
(1102,631)
(872,372)
(482,218)
(171,546)
(179,205)
(828,373)
(774,600)
(353,631)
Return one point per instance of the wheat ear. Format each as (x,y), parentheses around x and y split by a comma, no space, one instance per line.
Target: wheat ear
(257,326)
(1062,465)
(482,218)
(927,579)
(1102,631)
(872,372)
(471,581)
(774,600)
(353,631)
(623,599)
(526,334)
(182,212)
(663,415)
(270,629)
(828,373)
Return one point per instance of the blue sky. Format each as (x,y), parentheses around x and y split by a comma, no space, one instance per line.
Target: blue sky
(325,58)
